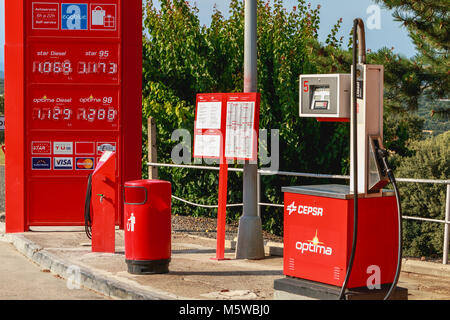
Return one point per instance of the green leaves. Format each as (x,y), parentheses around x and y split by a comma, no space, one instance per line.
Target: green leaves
(183,58)
(430,161)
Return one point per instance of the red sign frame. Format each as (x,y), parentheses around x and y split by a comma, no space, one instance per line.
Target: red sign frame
(225,99)
(66,94)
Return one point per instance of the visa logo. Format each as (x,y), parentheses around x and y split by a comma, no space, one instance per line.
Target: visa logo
(63,163)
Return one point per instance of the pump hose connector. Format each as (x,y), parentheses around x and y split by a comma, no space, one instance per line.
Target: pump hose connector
(87,209)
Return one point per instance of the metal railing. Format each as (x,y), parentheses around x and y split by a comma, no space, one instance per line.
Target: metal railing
(446,222)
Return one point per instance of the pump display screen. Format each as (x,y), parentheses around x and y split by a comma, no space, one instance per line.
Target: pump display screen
(320,97)
(320,105)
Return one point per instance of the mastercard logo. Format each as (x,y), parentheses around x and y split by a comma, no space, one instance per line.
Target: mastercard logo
(84,163)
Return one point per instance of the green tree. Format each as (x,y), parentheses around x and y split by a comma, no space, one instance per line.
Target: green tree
(427,22)
(2,104)
(430,161)
(183,58)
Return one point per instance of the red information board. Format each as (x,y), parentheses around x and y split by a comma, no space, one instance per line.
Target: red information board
(227,124)
(226,128)
(70,102)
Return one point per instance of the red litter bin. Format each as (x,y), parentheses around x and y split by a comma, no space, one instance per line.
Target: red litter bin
(147,205)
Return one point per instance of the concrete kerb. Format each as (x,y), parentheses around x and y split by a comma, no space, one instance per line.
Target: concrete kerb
(118,289)
(87,278)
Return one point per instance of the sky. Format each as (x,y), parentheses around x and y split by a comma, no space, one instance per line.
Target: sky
(381,29)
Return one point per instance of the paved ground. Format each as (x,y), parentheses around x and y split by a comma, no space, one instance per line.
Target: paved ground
(193,275)
(24,280)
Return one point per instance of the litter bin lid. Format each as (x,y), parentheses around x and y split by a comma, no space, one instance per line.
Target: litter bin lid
(136,192)
(145,182)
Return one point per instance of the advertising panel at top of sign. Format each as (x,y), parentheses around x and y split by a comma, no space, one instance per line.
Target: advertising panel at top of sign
(74,18)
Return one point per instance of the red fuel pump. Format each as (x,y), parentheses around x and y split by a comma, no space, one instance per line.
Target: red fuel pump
(341,235)
(101,196)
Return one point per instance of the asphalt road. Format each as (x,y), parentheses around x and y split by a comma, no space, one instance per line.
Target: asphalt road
(21,279)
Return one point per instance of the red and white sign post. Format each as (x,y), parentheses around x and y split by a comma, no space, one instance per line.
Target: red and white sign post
(226,128)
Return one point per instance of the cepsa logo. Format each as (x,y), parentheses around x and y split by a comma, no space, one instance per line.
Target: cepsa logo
(314,246)
(303,209)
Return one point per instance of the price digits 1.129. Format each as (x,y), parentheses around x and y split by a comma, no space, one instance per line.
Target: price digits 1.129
(82,114)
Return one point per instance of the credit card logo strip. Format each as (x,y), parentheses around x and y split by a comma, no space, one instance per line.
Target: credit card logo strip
(105,146)
(63,163)
(84,163)
(41,163)
(41,147)
(85,148)
(62,147)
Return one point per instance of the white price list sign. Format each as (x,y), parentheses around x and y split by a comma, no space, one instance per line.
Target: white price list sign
(208,115)
(239,129)
(207,146)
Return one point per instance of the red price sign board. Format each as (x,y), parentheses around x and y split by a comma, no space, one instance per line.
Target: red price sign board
(68,100)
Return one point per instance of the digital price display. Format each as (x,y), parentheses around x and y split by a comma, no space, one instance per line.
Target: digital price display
(70,63)
(76,109)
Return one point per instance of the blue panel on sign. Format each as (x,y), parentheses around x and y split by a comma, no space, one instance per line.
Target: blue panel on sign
(41,163)
(74,16)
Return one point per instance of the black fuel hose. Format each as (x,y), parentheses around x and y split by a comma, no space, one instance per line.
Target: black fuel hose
(87,209)
(357,36)
(383,154)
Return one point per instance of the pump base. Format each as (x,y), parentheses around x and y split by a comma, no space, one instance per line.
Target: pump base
(290,288)
(148,266)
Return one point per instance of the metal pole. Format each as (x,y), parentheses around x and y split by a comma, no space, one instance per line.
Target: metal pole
(258,193)
(250,244)
(446,226)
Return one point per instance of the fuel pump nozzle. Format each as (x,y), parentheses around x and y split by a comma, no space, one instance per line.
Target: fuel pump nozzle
(383,155)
